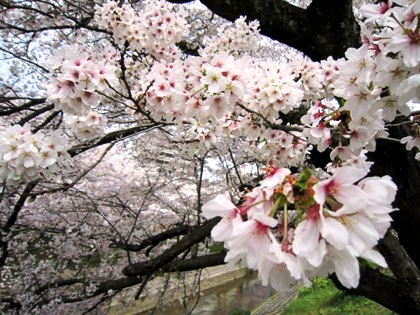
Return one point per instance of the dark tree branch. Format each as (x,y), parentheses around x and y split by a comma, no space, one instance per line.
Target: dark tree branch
(197,235)
(112,136)
(393,159)
(196,263)
(60,283)
(153,240)
(388,291)
(4,245)
(199,262)
(235,167)
(11,110)
(186,49)
(104,287)
(36,113)
(401,265)
(47,120)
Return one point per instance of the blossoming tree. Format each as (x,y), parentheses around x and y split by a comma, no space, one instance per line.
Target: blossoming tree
(333,117)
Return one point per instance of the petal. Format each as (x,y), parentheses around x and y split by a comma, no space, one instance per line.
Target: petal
(379,190)
(306,239)
(222,231)
(351,196)
(264,219)
(375,257)
(348,175)
(334,233)
(218,207)
(275,178)
(318,255)
(346,268)
(320,191)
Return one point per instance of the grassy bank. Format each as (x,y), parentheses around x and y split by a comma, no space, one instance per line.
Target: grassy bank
(323,298)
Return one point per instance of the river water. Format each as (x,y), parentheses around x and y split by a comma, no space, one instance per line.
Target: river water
(241,294)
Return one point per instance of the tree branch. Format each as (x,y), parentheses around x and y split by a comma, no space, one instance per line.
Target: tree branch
(197,235)
(112,136)
(12,110)
(153,240)
(210,260)
(401,265)
(388,291)
(4,245)
(393,159)
(59,283)
(36,113)
(196,263)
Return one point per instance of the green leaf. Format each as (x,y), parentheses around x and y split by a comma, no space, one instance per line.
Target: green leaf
(216,247)
(302,182)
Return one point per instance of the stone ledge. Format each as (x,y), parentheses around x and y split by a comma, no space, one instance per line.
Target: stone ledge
(276,303)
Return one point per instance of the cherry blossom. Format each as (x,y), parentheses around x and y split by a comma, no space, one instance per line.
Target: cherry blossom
(123,78)
(412,142)
(157,30)
(90,125)
(222,206)
(76,81)
(333,228)
(24,155)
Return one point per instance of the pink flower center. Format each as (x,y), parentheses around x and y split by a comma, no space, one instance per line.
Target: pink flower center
(331,188)
(313,213)
(384,7)
(414,37)
(260,229)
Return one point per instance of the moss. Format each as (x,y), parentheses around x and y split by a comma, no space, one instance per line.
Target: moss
(324,298)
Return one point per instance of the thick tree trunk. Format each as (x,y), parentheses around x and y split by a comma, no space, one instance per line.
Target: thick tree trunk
(391,158)
(402,294)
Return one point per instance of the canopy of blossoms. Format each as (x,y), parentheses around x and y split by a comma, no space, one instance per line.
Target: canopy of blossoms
(227,92)
(291,227)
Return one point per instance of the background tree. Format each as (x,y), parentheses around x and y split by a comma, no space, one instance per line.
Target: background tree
(85,80)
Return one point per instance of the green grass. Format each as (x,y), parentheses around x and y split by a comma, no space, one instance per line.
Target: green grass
(323,298)
(240,312)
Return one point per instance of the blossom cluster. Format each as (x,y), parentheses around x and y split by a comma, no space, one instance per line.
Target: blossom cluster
(77,85)
(286,148)
(273,90)
(375,83)
(228,93)
(228,96)
(397,54)
(196,88)
(87,126)
(317,78)
(232,94)
(351,99)
(293,228)
(77,78)
(24,155)
(155,29)
(239,38)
